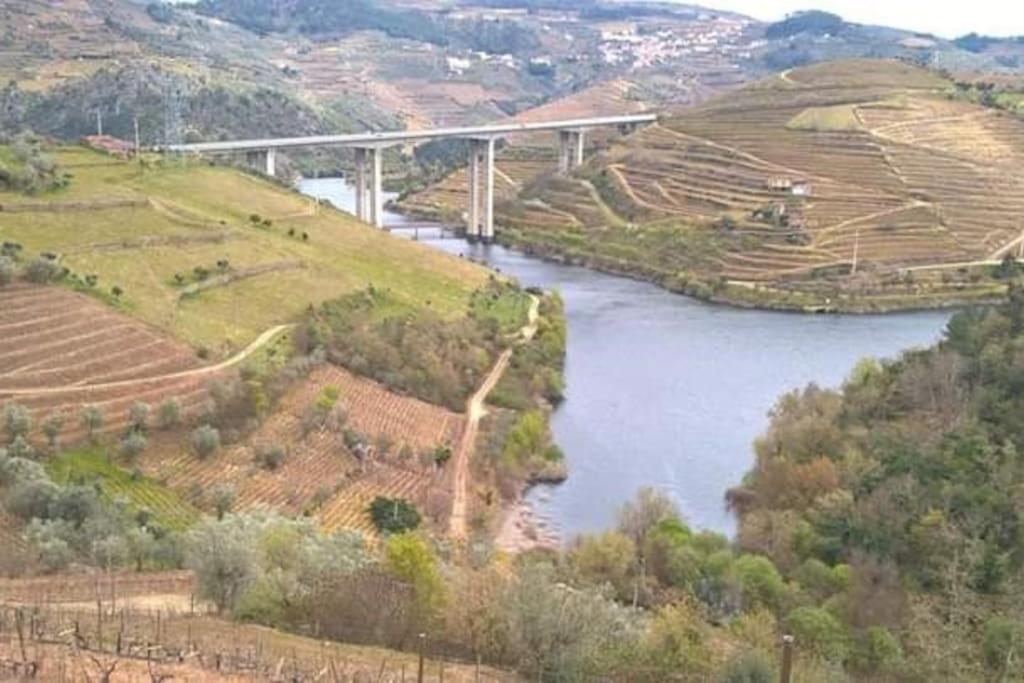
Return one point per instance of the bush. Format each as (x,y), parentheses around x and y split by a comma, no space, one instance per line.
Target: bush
(393,515)
(169,413)
(138,416)
(752,666)
(818,630)
(43,270)
(132,445)
(17,421)
(205,440)
(20,448)
(270,456)
(52,426)
(8,270)
(92,419)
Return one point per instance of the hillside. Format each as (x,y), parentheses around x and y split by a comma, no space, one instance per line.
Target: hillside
(853,185)
(214,256)
(159,299)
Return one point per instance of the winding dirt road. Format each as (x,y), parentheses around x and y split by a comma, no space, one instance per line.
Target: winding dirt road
(474,411)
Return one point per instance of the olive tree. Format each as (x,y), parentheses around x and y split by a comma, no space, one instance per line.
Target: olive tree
(17,421)
(92,419)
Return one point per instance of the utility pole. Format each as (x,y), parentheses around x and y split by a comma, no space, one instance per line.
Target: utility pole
(786,675)
(99,122)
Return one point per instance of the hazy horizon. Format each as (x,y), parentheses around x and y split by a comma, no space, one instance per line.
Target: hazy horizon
(990,17)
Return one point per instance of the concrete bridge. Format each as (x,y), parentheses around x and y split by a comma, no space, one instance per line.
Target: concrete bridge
(369,147)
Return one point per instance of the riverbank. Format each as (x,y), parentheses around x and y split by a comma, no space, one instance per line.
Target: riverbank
(885,293)
(665,390)
(800,297)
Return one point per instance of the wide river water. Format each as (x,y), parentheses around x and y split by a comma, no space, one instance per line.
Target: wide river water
(666,391)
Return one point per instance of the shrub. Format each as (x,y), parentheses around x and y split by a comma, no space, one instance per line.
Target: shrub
(138,416)
(116,291)
(8,270)
(223,498)
(442,454)
(752,666)
(52,426)
(20,448)
(42,270)
(169,413)
(818,630)
(205,440)
(1000,639)
(92,419)
(270,456)
(132,445)
(17,421)
(393,515)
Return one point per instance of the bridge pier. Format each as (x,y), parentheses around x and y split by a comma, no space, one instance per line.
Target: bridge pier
(570,150)
(480,225)
(270,159)
(360,183)
(376,193)
(369,195)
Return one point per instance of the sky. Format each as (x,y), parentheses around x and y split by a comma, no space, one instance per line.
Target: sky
(945,18)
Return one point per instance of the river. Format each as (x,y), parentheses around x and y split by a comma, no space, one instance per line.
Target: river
(666,391)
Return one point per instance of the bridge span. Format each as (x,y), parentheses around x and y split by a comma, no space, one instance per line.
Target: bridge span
(368,152)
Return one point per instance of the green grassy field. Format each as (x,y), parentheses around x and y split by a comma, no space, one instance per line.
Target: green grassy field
(194,215)
(91,465)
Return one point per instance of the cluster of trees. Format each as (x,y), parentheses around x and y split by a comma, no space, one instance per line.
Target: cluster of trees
(24,167)
(416,352)
(535,371)
(905,485)
(650,600)
(77,524)
(813,22)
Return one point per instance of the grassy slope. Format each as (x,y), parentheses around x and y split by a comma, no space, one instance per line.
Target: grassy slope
(92,465)
(192,201)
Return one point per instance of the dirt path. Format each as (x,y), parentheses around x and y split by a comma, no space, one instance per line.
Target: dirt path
(252,348)
(474,411)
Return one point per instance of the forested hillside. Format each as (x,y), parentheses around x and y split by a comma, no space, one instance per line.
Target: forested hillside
(910,479)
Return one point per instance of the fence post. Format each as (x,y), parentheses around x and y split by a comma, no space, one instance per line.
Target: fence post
(787,659)
(419,674)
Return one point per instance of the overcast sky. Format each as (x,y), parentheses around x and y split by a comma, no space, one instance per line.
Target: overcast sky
(946,18)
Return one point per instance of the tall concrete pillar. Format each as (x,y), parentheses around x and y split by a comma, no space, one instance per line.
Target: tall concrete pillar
(563,152)
(577,149)
(473,210)
(360,184)
(376,192)
(271,160)
(488,227)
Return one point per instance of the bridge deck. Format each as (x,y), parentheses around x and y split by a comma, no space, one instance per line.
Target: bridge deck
(385,138)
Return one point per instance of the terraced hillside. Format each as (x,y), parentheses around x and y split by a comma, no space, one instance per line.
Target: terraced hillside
(828,181)
(61,351)
(333,470)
